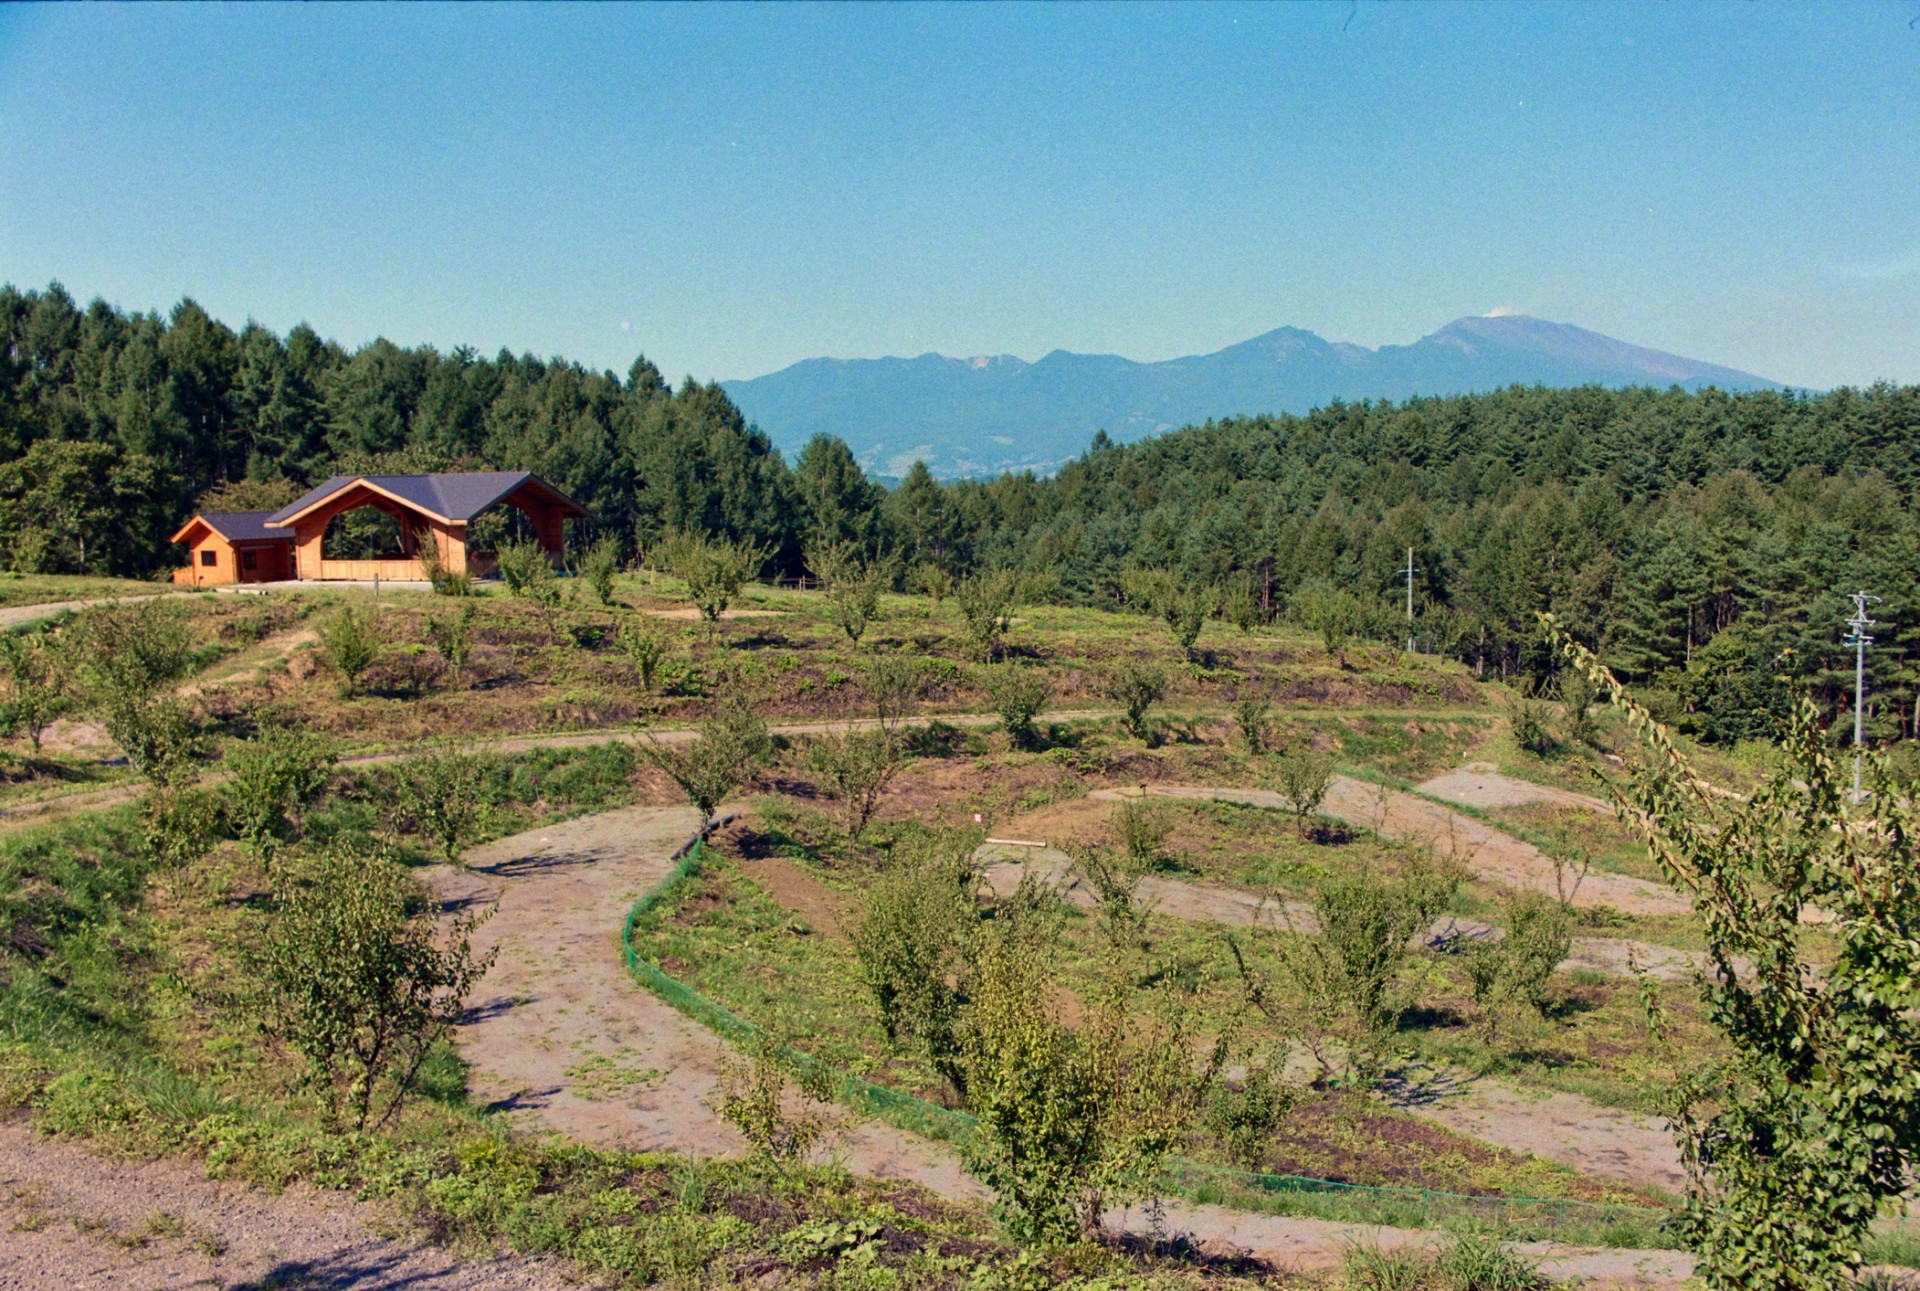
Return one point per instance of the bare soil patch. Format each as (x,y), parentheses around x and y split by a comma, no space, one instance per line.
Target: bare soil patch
(1478,784)
(1603,1141)
(75,1221)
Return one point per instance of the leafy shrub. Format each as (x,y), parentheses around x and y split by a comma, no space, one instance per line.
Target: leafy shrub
(270,781)
(1250,714)
(853,586)
(753,1099)
(178,824)
(1018,695)
(1330,611)
(1241,607)
(858,766)
(443,793)
(1070,1121)
(987,602)
(1304,776)
(1802,1129)
(1136,686)
(132,657)
(730,747)
(1343,991)
(520,562)
(933,581)
(350,645)
(909,944)
(1513,969)
(357,980)
(894,683)
(646,647)
(597,567)
(1142,832)
(713,569)
(452,638)
(37,684)
(1245,1116)
(1528,720)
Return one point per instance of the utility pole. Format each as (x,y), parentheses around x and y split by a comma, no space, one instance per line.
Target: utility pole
(1859,640)
(1409,571)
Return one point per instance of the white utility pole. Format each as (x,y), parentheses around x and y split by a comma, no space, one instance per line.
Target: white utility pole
(1859,640)
(1409,571)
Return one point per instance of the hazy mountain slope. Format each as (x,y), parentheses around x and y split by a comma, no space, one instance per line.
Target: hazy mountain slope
(969,416)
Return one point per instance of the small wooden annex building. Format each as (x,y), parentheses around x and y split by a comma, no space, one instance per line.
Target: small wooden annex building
(434,507)
(234,547)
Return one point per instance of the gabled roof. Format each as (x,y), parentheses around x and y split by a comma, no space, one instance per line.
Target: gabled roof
(454,498)
(235,526)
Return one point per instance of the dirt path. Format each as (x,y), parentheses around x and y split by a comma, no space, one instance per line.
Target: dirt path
(73,1221)
(560,1032)
(1488,852)
(1480,784)
(1003,864)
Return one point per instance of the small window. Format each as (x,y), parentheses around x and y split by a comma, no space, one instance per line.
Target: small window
(249,559)
(208,558)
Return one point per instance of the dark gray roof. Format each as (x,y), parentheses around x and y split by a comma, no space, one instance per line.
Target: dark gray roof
(459,497)
(244,526)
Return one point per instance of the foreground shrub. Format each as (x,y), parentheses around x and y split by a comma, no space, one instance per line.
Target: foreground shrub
(357,979)
(1808,1125)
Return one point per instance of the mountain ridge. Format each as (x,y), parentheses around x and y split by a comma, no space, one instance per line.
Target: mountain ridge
(988,413)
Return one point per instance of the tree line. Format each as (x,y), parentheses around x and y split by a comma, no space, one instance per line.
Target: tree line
(1702,543)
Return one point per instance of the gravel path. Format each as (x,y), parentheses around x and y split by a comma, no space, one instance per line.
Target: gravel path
(74,1221)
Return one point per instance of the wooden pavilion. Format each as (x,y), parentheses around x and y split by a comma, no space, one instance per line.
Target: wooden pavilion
(434,507)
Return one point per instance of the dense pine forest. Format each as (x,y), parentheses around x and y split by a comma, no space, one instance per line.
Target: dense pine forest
(1704,543)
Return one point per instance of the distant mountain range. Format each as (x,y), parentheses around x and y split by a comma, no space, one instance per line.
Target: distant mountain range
(985,415)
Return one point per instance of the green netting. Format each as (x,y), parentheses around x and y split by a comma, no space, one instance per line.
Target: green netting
(1411,1207)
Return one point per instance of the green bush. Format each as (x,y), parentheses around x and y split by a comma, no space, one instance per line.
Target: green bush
(38,686)
(857,766)
(987,602)
(358,980)
(730,747)
(1018,695)
(443,792)
(271,779)
(350,645)
(452,638)
(1136,686)
(133,657)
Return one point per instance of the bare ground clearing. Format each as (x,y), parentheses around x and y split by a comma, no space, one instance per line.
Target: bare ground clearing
(75,1221)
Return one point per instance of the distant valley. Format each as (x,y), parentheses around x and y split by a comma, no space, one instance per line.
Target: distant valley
(977,416)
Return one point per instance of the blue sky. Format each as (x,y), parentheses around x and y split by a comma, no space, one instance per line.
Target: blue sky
(730,189)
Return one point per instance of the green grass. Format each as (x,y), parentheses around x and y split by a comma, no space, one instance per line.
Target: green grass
(44,589)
